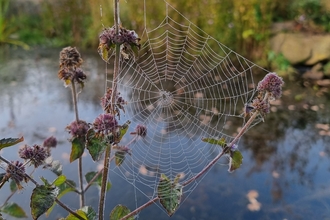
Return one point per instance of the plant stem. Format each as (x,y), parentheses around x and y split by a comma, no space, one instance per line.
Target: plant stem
(81,183)
(104,182)
(113,101)
(140,208)
(68,209)
(240,134)
(74,99)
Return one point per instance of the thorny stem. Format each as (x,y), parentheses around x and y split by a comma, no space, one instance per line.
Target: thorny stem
(36,183)
(140,208)
(81,184)
(113,101)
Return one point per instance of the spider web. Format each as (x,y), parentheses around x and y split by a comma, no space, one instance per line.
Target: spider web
(183,86)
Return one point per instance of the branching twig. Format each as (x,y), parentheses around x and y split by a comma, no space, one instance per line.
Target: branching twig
(37,184)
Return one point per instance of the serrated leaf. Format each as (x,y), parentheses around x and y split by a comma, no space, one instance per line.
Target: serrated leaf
(13,210)
(95,145)
(221,142)
(169,194)
(120,211)
(98,181)
(7,142)
(119,157)
(67,186)
(235,161)
(78,147)
(13,186)
(59,180)
(42,199)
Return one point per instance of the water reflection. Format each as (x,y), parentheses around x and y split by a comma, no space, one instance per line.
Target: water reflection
(286,159)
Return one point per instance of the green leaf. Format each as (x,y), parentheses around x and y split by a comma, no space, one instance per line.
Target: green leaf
(235,161)
(59,180)
(7,142)
(98,181)
(78,147)
(45,181)
(67,186)
(42,199)
(14,210)
(90,213)
(221,142)
(123,129)
(13,186)
(79,212)
(119,157)
(120,211)
(169,194)
(95,145)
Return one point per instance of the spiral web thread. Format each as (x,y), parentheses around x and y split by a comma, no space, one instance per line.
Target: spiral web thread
(184,85)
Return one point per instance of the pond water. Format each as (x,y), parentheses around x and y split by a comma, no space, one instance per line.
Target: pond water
(286,167)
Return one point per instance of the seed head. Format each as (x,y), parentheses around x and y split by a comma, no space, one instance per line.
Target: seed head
(70,57)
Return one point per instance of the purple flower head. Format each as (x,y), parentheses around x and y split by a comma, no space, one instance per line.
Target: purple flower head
(78,129)
(271,83)
(262,106)
(50,142)
(141,130)
(36,154)
(16,171)
(234,147)
(105,124)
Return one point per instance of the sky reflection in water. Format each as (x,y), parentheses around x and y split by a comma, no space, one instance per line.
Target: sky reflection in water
(285,170)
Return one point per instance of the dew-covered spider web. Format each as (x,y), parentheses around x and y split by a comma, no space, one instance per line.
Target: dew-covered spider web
(184,85)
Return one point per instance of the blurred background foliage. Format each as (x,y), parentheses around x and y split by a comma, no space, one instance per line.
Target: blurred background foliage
(243,25)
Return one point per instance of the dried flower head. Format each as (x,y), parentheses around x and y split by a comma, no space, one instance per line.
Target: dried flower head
(36,154)
(69,75)
(78,129)
(105,124)
(50,142)
(108,37)
(118,105)
(16,171)
(70,57)
(141,130)
(271,83)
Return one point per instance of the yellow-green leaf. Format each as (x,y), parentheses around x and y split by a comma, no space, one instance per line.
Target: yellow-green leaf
(7,142)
